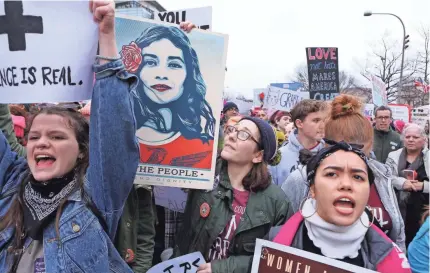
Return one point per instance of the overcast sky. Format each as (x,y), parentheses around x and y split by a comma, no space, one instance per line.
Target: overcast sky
(267,39)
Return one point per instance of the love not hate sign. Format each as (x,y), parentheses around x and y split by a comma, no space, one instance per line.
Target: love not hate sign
(47,50)
(323,72)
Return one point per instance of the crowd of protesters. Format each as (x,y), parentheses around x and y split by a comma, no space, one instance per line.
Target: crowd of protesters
(321,178)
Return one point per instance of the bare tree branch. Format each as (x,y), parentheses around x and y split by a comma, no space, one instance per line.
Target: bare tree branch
(423,57)
(386,65)
(301,75)
(347,83)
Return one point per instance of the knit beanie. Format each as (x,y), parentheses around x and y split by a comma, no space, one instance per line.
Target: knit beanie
(18,125)
(268,139)
(229,105)
(399,124)
(86,110)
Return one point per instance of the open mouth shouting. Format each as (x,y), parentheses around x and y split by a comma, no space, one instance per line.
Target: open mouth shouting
(161,87)
(44,160)
(344,205)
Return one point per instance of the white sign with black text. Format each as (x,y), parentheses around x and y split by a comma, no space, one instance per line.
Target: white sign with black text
(283,99)
(183,264)
(47,50)
(201,17)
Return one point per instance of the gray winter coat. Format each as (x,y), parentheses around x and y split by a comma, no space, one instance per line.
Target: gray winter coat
(296,188)
(398,180)
(290,158)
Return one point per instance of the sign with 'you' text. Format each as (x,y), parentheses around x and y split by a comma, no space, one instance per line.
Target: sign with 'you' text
(323,72)
(47,50)
(201,17)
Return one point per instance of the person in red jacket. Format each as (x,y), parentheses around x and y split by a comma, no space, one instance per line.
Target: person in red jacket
(333,220)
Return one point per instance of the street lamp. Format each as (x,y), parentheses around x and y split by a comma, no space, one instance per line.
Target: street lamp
(405,41)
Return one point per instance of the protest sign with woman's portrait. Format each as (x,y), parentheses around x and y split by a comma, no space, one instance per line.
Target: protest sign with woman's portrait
(174,105)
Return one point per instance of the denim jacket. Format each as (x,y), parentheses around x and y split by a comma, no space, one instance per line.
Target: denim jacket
(84,246)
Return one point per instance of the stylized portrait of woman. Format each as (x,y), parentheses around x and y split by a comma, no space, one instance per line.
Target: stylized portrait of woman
(175,122)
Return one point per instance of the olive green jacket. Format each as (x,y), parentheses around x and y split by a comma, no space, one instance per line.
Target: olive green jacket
(6,125)
(265,209)
(136,230)
(385,143)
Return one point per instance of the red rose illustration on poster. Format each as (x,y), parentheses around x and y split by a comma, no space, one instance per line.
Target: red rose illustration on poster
(131,57)
(261,96)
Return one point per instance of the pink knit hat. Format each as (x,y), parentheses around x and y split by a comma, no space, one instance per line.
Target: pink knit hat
(86,111)
(18,125)
(399,124)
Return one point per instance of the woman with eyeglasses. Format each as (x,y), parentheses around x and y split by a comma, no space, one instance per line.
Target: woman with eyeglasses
(333,221)
(224,223)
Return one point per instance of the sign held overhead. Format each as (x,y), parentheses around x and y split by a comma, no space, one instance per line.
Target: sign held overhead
(47,50)
(201,17)
(323,72)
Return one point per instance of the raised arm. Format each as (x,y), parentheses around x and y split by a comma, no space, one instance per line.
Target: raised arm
(114,152)
(6,126)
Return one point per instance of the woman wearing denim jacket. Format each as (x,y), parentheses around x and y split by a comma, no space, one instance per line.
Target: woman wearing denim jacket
(59,212)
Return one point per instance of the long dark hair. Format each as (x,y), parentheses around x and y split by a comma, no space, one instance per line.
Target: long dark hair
(188,110)
(14,217)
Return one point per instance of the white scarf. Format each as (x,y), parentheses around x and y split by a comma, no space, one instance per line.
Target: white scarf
(335,242)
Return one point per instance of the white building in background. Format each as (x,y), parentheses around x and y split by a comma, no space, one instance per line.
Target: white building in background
(145,9)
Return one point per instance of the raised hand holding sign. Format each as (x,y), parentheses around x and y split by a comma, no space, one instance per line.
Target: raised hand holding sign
(104,14)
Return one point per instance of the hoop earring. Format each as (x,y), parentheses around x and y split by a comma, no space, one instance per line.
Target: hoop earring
(301,207)
(371,223)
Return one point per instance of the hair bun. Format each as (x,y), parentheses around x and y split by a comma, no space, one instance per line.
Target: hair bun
(344,105)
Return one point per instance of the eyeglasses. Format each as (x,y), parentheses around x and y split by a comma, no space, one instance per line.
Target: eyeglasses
(382,118)
(241,135)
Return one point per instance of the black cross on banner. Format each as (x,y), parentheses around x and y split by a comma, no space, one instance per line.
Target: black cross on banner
(16,25)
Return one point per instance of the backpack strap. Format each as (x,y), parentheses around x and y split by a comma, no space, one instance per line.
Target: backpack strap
(289,229)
